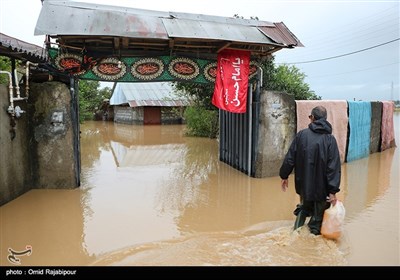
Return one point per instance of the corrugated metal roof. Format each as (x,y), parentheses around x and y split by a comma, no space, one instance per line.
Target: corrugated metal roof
(228,20)
(146,94)
(281,34)
(12,47)
(183,28)
(75,18)
(107,28)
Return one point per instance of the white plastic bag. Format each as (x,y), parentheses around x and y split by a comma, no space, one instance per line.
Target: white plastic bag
(332,223)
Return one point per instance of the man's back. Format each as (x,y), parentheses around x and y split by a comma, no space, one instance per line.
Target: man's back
(315,157)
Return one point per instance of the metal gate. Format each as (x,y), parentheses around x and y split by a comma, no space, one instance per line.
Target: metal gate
(239,133)
(74,90)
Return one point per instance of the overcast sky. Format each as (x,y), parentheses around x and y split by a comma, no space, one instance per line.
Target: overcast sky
(326,28)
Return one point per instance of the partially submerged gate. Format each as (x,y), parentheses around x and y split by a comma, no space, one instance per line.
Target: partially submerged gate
(239,133)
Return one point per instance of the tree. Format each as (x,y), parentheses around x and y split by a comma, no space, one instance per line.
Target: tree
(287,79)
(91,98)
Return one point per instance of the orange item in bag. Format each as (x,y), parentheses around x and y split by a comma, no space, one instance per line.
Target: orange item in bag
(332,223)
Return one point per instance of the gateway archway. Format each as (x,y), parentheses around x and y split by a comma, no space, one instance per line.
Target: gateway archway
(110,43)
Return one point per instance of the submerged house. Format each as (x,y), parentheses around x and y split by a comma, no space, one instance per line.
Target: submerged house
(147,103)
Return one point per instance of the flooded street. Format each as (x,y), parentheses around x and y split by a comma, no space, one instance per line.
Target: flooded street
(151,196)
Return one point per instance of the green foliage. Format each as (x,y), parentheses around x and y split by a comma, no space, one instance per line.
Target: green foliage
(268,68)
(202,117)
(5,65)
(288,79)
(291,80)
(201,122)
(91,98)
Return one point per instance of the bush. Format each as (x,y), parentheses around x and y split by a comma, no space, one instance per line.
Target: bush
(201,122)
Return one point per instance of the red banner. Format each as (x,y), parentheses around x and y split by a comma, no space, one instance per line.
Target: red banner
(230,91)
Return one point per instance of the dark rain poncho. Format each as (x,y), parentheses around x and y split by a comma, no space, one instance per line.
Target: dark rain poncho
(314,155)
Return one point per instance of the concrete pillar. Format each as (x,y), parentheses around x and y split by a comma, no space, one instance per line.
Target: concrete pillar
(54,163)
(276,132)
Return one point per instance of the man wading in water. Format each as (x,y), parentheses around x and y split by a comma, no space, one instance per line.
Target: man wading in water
(314,155)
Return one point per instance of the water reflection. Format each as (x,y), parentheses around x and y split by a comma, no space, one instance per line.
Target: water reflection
(126,178)
(151,196)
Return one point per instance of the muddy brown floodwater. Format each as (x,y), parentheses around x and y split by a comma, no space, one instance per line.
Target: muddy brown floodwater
(151,196)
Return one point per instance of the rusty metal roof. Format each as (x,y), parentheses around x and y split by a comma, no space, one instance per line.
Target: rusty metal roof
(12,47)
(281,34)
(146,94)
(127,31)
(75,18)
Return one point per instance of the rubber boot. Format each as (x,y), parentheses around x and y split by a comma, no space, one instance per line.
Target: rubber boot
(300,219)
(316,220)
